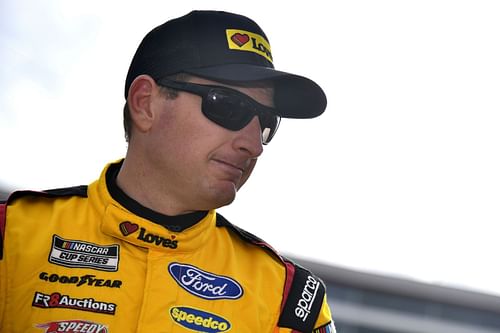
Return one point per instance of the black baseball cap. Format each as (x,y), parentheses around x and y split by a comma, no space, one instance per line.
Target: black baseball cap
(224,47)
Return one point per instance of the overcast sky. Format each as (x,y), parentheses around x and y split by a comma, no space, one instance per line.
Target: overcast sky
(400,176)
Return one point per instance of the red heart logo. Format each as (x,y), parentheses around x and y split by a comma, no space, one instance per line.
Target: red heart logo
(172,236)
(240,39)
(128,228)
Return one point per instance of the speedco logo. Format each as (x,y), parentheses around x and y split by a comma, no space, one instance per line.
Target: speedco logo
(303,308)
(56,300)
(204,284)
(73,326)
(198,320)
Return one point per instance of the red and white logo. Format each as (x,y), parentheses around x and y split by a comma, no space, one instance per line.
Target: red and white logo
(57,300)
(73,326)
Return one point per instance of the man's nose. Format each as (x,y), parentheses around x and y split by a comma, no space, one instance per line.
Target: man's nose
(249,138)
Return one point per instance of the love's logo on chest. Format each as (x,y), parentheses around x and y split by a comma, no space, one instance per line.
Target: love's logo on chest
(128,228)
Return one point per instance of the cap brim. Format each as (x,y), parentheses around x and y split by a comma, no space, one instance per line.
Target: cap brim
(294,96)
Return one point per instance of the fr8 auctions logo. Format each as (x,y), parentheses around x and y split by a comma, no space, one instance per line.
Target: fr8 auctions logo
(56,300)
(73,326)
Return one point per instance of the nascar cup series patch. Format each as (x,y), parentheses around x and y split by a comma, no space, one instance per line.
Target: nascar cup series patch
(242,40)
(76,253)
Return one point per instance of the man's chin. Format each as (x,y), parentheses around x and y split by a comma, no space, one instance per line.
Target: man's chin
(224,195)
(228,202)
(228,198)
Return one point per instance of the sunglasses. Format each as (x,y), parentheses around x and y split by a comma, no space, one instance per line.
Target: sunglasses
(229,108)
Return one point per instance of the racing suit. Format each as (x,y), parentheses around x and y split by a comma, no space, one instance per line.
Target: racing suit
(91,259)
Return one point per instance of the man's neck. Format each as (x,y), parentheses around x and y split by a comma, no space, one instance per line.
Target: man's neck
(140,184)
(173,222)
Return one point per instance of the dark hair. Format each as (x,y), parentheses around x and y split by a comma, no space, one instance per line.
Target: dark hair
(168,92)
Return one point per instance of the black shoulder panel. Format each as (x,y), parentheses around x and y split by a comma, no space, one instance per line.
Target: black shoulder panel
(3,213)
(221,221)
(303,293)
(303,302)
(80,191)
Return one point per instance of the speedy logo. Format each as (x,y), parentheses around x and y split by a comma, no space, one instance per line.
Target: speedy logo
(127,228)
(56,300)
(73,326)
(303,308)
(204,284)
(248,41)
(73,253)
(198,320)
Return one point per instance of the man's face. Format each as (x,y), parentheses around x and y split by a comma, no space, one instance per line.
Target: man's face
(199,163)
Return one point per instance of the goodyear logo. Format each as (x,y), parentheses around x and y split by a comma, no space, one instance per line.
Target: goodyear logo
(248,41)
(198,320)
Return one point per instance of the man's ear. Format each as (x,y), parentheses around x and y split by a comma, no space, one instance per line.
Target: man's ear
(139,101)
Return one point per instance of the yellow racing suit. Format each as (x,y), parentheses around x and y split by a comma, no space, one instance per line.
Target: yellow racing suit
(93,260)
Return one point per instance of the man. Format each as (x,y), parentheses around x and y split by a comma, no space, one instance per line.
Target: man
(142,248)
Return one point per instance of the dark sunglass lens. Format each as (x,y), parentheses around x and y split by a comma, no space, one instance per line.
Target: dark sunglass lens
(227,110)
(233,111)
(269,124)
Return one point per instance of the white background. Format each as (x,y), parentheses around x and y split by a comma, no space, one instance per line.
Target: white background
(400,176)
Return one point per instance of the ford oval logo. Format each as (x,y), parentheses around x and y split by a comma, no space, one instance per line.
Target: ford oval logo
(204,284)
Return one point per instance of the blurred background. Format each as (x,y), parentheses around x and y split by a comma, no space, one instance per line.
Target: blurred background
(392,195)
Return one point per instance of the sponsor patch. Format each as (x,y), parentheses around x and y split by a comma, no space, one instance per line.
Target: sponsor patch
(82,280)
(329,328)
(128,228)
(76,253)
(204,284)
(73,326)
(306,300)
(198,320)
(305,296)
(248,41)
(56,300)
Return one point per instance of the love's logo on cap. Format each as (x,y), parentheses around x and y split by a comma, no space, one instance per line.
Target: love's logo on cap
(248,41)
(240,39)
